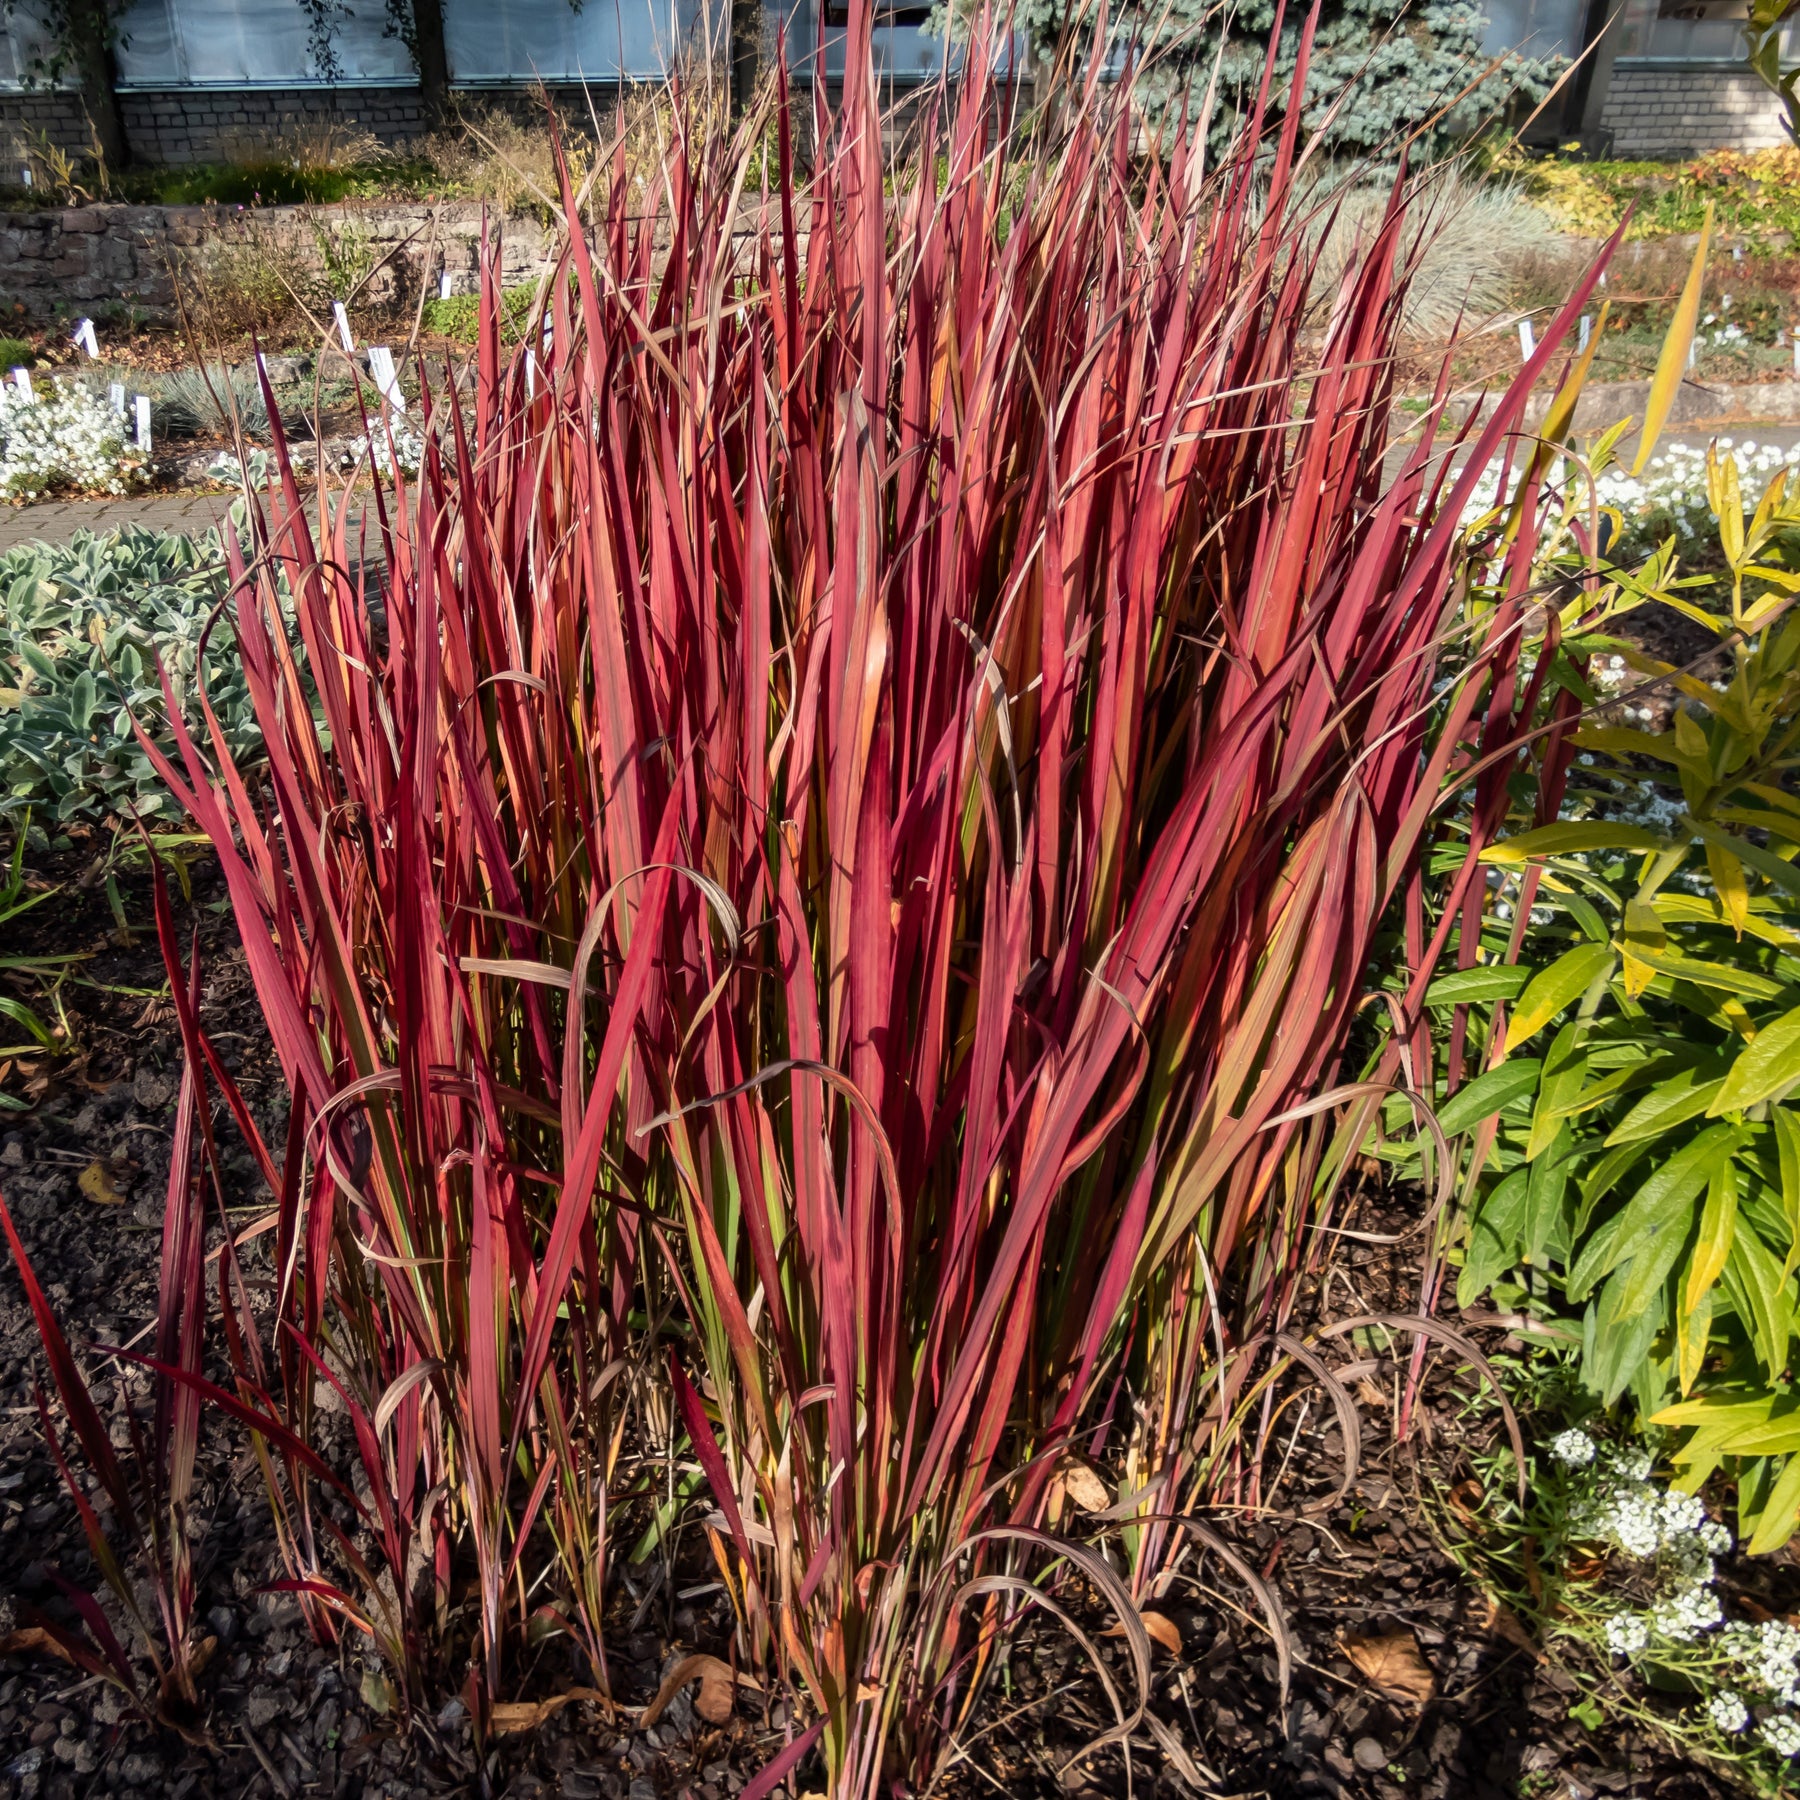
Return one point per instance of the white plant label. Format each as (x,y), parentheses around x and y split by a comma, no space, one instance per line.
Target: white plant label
(1527,340)
(115,392)
(530,375)
(381,368)
(84,336)
(25,176)
(22,381)
(143,421)
(1797,352)
(343,325)
(1587,328)
(444,284)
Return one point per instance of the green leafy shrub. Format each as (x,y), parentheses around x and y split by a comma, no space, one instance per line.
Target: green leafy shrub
(459,317)
(1633,1166)
(1755,194)
(82,626)
(15,353)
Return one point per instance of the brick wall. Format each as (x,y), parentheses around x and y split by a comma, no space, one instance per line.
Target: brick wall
(1686,109)
(197,125)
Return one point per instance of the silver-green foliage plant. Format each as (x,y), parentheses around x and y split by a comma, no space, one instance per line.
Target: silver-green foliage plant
(83,626)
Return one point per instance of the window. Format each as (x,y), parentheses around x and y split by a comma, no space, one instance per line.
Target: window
(1684,30)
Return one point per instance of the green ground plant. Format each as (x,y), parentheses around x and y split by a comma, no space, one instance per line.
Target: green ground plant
(459,317)
(83,627)
(1755,194)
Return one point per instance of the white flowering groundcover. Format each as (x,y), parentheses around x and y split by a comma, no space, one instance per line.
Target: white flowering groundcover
(1745,1677)
(64,437)
(1668,500)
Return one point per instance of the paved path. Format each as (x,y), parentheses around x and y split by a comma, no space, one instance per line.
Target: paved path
(58,520)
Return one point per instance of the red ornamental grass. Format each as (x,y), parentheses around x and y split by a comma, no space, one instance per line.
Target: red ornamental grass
(804,910)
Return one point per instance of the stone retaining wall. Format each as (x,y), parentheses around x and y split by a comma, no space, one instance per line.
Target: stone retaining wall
(1686,109)
(104,260)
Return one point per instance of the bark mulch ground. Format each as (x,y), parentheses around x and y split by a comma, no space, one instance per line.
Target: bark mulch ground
(288,1717)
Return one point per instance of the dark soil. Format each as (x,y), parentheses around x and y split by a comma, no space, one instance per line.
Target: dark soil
(287,1717)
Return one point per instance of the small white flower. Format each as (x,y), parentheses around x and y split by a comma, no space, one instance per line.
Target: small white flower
(1626,1634)
(1687,1614)
(1781,1733)
(1681,1513)
(1728,1711)
(1573,1447)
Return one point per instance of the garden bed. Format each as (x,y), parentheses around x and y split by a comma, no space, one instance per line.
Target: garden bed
(1475,1711)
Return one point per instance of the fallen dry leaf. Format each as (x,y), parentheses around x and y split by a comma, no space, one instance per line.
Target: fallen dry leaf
(96,1183)
(1393,1663)
(1491,1619)
(715,1699)
(1083,1486)
(1468,1497)
(29,1638)
(1162,1629)
(512,1716)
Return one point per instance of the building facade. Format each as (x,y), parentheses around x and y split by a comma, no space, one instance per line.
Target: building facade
(197,77)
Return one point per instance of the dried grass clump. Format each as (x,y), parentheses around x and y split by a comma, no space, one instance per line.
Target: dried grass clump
(1463,242)
(247,280)
(307,146)
(496,156)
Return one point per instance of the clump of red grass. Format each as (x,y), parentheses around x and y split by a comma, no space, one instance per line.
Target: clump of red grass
(836,861)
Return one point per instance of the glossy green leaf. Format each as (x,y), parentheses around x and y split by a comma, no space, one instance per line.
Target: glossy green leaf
(1769,1066)
(1488,1094)
(1556,987)
(1493,981)
(1671,1102)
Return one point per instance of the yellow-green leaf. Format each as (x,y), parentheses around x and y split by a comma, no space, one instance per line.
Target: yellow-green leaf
(1764,1069)
(1671,365)
(1726,496)
(1728,879)
(1553,988)
(1569,838)
(1565,1074)
(1718,1226)
(1776,1525)
(1670,1103)
(1644,939)
(1693,1333)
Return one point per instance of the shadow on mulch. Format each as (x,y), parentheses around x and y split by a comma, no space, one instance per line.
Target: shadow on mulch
(290,1718)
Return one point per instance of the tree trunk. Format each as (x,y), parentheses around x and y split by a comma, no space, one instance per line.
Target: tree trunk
(746,53)
(97,72)
(433,60)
